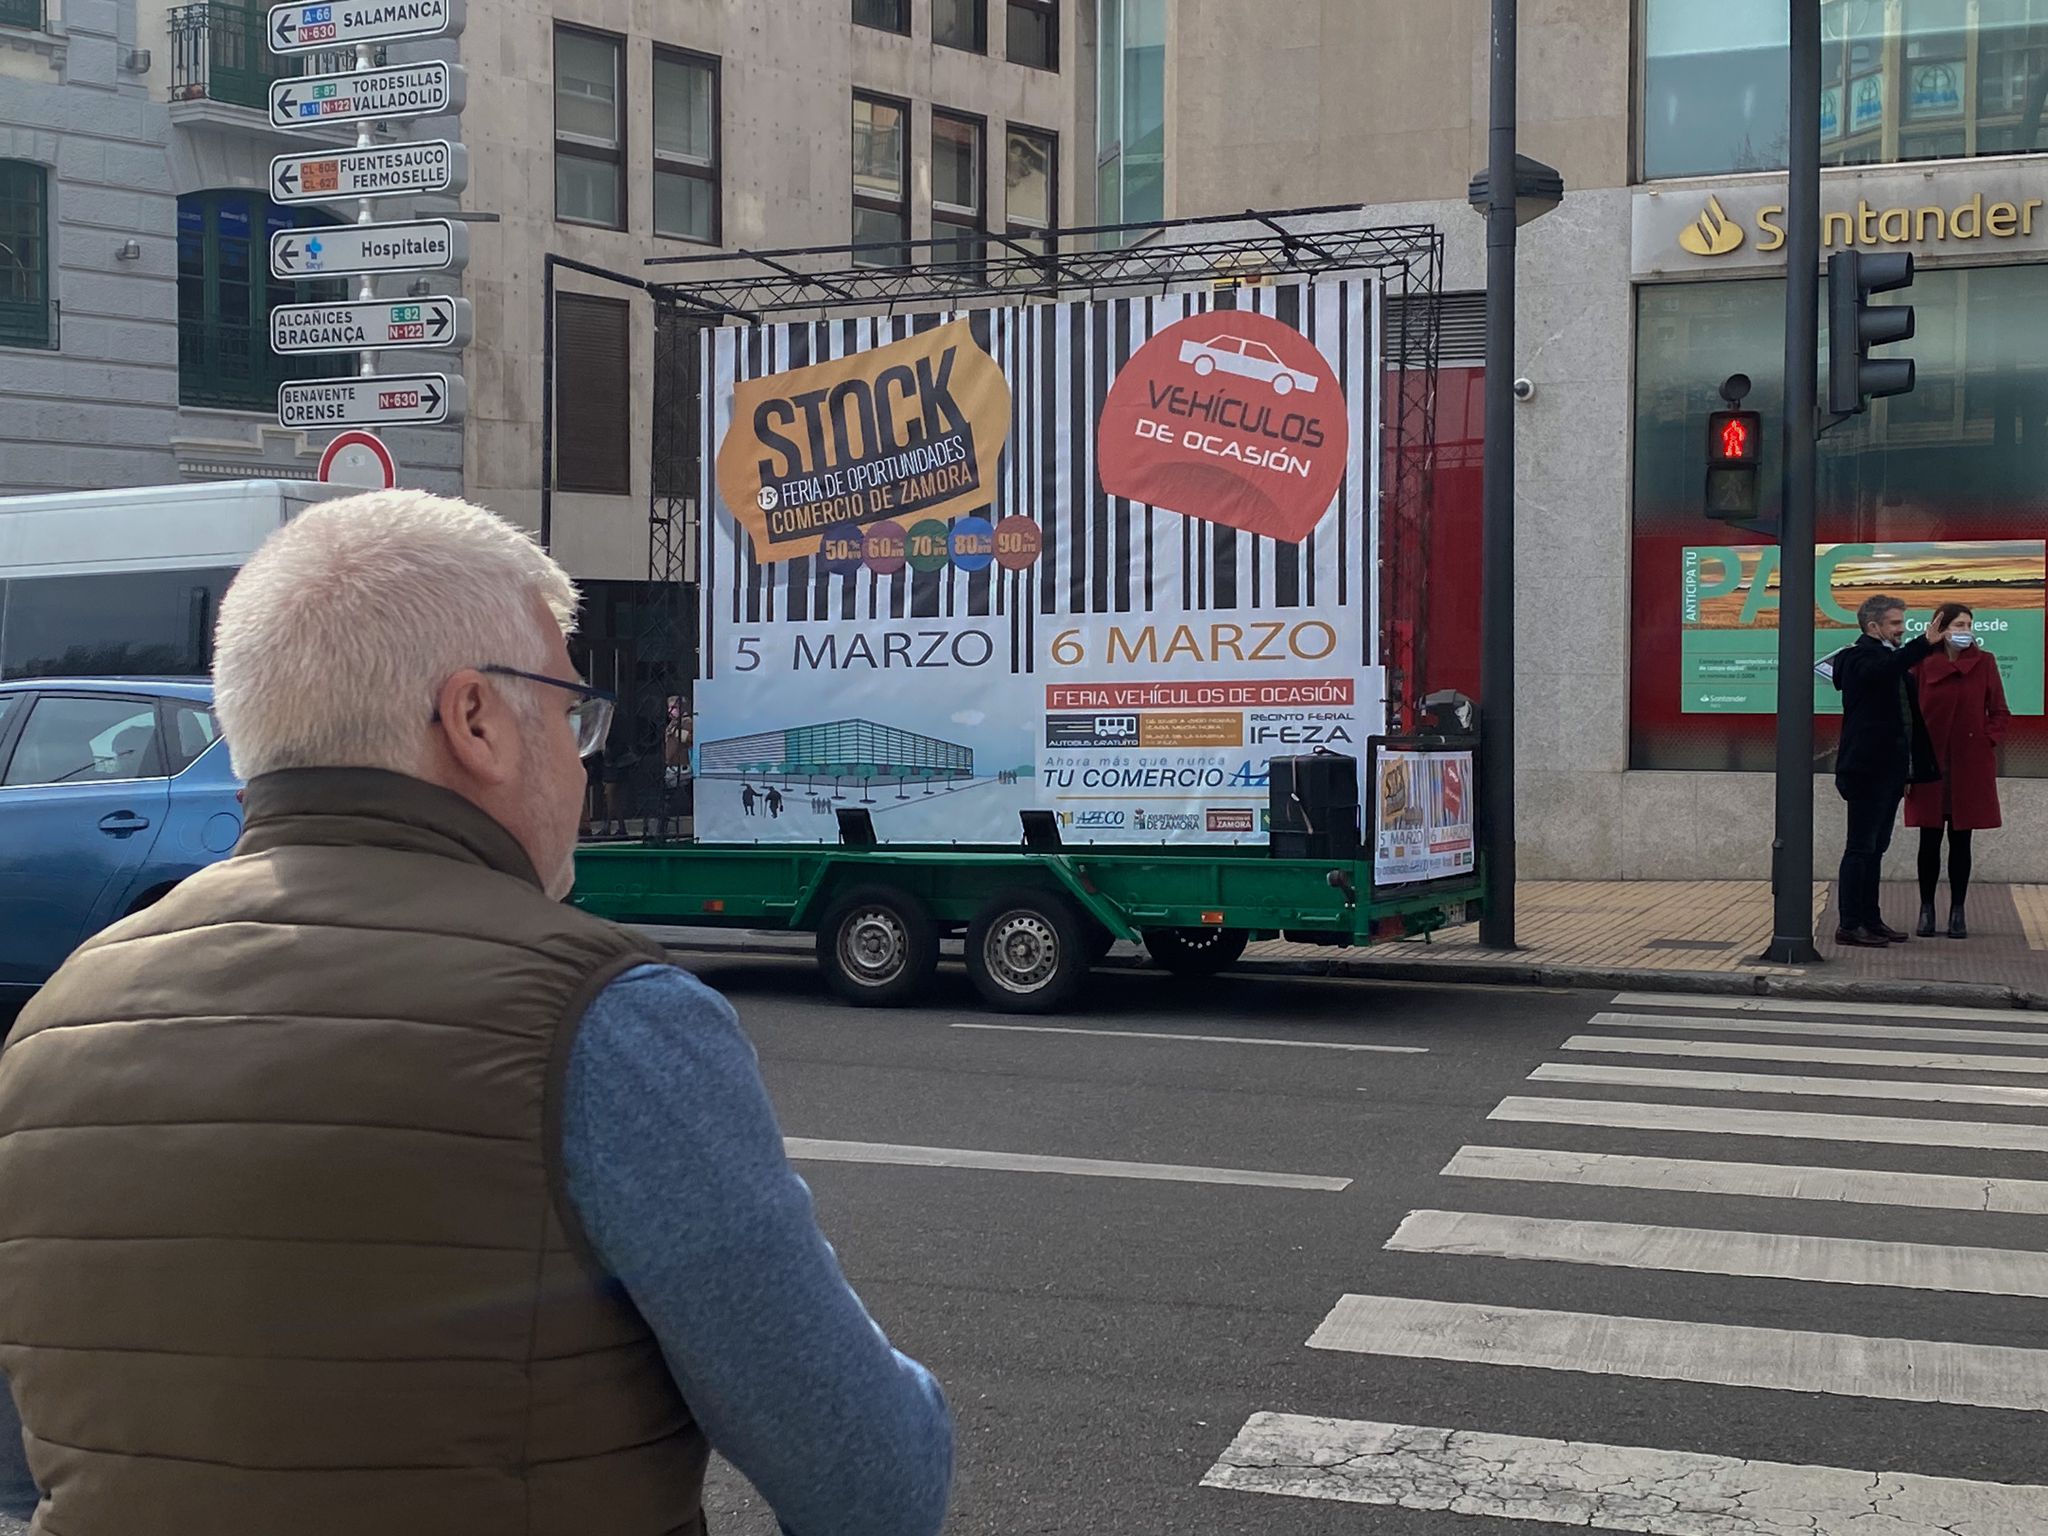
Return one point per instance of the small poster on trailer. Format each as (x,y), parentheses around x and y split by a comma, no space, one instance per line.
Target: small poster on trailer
(1422,815)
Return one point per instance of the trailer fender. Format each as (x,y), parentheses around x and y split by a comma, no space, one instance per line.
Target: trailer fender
(1090,899)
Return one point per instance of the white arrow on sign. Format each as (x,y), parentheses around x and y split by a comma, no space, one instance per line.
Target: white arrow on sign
(432,89)
(352,250)
(386,400)
(309,28)
(431,324)
(329,176)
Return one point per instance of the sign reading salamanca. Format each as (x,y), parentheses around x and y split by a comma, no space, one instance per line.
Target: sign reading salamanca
(310,28)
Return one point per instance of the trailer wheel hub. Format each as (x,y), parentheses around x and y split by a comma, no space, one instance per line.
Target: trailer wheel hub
(1022,951)
(873,946)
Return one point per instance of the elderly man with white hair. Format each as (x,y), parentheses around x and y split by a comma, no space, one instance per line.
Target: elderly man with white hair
(360,1185)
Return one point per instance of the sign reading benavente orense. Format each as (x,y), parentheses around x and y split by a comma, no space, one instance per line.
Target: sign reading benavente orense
(335,175)
(431,324)
(379,400)
(432,89)
(354,250)
(307,28)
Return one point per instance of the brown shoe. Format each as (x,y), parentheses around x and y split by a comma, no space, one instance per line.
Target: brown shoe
(1861,938)
(1888,933)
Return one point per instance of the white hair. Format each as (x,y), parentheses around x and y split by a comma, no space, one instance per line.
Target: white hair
(339,632)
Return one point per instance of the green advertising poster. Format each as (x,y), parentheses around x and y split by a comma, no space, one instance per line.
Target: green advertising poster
(1729,597)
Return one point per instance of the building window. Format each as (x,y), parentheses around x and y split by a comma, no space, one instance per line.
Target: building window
(961,24)
(24,255)
(1031,162)
(959,190)
(22,13)
(686,197)
(1034,33)
(1130,173)
(225,295)
(590,112)
(1912,80)
(881,181)
(883,15)
(593,394)
(1932,495)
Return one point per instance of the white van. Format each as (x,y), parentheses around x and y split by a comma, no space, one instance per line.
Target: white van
(127,583)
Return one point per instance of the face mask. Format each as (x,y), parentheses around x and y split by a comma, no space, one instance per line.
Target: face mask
(1890,645)
(1961,637)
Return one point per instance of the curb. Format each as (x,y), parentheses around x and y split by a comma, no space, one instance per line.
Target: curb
(1508,973)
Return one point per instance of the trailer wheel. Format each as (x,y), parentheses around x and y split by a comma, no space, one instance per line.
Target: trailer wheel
(878,947)
(1028,951)
(1196,951)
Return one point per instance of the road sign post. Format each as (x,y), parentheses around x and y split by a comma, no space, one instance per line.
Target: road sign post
(374,400)
(432,89)
(389,170)
(360,250)
(430,324)
(324,27)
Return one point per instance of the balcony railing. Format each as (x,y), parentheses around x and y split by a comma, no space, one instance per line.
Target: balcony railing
(22,13)
(231,367)
(218,53)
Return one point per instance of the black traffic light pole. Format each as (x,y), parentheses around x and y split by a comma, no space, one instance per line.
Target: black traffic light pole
(1792,849)
(1497,540)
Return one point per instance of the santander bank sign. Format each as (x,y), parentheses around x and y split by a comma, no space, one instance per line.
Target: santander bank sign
(1230,417)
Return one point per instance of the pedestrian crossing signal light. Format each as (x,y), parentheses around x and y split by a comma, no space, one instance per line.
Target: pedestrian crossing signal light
(1855,325)
(1734,461)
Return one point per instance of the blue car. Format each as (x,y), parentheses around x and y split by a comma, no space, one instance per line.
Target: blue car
(111,792)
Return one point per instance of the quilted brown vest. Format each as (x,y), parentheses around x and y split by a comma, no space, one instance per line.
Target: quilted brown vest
(283,1244)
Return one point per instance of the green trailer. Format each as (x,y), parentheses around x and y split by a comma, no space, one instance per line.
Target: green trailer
(1035,918)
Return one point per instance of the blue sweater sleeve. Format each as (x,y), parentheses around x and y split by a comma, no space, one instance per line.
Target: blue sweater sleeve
(675,1164)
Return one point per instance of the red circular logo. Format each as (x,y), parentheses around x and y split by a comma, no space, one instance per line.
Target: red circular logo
(1231,417)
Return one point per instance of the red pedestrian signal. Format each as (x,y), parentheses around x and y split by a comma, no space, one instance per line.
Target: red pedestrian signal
(1735,439)
(1734,456)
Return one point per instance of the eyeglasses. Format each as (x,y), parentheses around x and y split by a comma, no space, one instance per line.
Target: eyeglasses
(591,714)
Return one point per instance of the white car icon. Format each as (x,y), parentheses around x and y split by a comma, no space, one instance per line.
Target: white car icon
(1253,359)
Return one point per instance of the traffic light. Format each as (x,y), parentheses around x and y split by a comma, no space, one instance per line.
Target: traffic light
(1734,457)
(1855,325)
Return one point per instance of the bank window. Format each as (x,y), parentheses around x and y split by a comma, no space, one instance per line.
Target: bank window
(881,181)
(1031,161)
(961,24)
(1034,33)
(1130,166)
(1901,81)
(226,292)
(593,393)
(590,112)
(883,15)
(26,315)
(686,146)
(1932,495)
(958,190)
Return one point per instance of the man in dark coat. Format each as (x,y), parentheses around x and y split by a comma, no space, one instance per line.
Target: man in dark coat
(1885,747)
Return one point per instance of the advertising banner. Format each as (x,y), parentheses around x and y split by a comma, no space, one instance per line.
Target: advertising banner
(1103,558)
(1729,600)
(1422,815)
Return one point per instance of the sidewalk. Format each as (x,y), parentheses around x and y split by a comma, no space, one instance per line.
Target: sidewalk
(1706,936)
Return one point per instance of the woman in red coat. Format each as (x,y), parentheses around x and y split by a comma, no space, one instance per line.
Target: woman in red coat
(1964,705)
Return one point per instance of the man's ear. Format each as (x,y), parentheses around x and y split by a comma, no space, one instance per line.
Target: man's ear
(475,727)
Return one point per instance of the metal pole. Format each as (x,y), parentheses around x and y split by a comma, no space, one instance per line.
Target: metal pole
(1497,549)
(366,212)
(1792,851)
(547,401)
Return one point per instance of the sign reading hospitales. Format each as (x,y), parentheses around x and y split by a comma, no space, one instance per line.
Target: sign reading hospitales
(383,400)
(433,324)
(353,250)
(307,28)
(432,89)
(395,170)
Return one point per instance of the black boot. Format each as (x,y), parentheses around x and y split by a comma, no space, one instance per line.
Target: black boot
(1926,928)
(1957,928)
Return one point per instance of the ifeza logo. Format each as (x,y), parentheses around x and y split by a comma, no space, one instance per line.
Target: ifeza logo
(1713,233)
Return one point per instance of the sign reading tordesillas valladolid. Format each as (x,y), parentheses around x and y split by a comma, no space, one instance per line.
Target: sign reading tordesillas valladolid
(363,249)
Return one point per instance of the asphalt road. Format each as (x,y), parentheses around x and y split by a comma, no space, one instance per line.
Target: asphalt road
(1104,1340)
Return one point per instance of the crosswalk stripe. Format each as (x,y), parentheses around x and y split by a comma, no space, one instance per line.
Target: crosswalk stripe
(1886,1130)
(1160,1034)
(1693,1022)
(1733,1004)
(1774,1181)
(1706,1251)
(1604,1487)
(1798,1087)
(811,1149)
(1819,1055)
(1659,1349)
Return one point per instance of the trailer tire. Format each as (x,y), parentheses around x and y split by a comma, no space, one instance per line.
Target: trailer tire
(878,947)
(1196,951)
(1028,951)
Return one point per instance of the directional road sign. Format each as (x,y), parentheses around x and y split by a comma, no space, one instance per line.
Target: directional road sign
(307,28)
(385,400)
(396,170)
(431,324)
(432,89)
(352,250)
